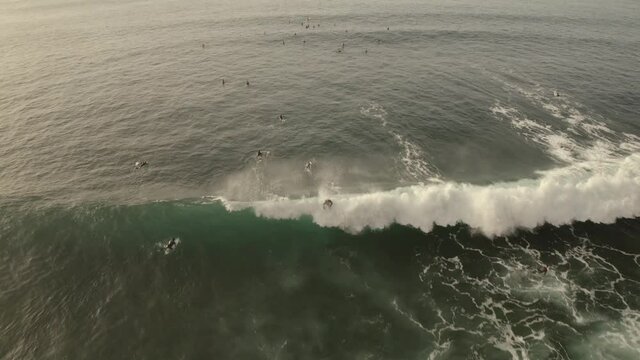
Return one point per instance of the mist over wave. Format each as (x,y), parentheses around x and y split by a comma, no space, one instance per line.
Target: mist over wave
(560,196)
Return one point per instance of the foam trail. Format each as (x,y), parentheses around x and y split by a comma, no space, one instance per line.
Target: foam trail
(376,111)
(412,157)
(558,144)
(598,193)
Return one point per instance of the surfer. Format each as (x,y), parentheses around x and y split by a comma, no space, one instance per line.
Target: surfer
(248,83)
(171,244)
(222,82)
(327,204)
(556,93)
(141,164)
(281,117)
(543,269)
(308,165)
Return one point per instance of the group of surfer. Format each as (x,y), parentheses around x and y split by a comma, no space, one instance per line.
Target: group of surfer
(341,49)
(327,204)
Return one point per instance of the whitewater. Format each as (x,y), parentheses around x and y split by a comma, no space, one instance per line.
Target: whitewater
(598,180)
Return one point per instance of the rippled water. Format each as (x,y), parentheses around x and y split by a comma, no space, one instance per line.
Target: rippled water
(476,214)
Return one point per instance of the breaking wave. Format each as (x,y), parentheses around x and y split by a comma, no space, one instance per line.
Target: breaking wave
(599,180)
(560,196)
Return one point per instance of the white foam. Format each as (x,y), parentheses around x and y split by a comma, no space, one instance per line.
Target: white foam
(412,156)
(584,139)
(619,339)
(631,143)
(440,351)
(557,143)
(508,308)
(571,113)
(560,196)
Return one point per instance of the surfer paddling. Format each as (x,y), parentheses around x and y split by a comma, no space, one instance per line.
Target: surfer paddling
(140,164)
(171,244)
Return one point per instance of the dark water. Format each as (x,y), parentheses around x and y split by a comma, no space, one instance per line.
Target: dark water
(476,214)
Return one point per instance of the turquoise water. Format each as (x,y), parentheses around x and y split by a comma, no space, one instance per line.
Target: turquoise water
(476,214)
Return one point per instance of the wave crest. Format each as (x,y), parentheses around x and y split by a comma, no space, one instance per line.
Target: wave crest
(559,196)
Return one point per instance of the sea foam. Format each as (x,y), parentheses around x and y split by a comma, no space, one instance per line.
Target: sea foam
(559,196)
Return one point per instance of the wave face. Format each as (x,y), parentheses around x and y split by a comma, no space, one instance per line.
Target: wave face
(94,281)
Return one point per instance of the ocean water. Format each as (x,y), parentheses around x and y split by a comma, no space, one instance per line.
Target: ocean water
(475,214)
